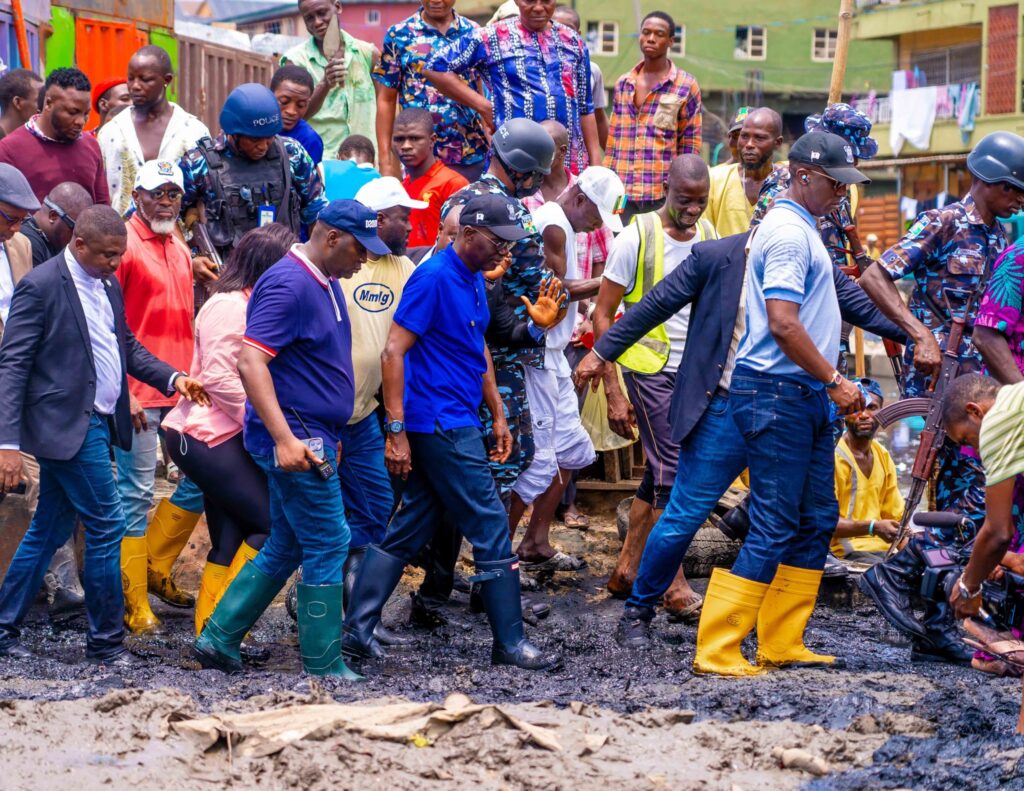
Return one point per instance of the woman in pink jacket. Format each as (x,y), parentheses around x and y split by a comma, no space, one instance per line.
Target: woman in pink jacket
(206,442)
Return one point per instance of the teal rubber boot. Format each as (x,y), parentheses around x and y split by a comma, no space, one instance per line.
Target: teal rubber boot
(319,617)
(249,594)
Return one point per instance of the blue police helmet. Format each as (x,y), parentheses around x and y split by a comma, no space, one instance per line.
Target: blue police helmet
(252,110)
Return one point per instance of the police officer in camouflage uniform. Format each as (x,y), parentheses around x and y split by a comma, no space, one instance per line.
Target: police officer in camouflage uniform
(250,175)
(950,253)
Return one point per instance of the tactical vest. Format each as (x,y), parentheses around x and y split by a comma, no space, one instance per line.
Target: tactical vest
(243,185)
(650,354)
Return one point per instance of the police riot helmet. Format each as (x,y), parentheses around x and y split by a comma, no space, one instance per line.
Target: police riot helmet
(526,151)
(251,110)
(999,158)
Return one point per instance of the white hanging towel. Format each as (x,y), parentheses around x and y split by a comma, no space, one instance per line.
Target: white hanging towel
(913,115)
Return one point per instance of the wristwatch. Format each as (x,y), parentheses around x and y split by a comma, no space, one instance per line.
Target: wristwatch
(394,426)
(833,383)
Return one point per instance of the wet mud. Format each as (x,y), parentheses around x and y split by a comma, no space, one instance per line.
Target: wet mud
(620,715)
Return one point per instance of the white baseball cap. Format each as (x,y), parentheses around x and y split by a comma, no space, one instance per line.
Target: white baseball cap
(387,192)
(607,192)
(158,172)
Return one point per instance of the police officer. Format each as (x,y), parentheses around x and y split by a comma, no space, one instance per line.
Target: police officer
(950,253)
(250,175)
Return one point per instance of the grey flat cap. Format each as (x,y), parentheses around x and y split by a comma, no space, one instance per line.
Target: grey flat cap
(15,189)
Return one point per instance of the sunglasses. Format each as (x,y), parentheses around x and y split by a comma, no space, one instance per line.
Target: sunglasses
(63,215)
(500,245)
(13,220)
(837,186)
(174,195)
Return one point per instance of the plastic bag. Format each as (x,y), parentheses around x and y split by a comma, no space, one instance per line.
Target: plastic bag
(594,416)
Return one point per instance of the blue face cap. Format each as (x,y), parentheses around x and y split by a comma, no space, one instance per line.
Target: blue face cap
(354,218)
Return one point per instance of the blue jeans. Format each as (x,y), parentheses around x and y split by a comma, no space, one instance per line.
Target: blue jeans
(365,483)
(710,459)
(450,473)
(307,526)
(83,485)
(793,508)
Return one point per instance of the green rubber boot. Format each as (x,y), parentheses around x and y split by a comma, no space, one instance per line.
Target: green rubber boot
(320,623)
(249,594)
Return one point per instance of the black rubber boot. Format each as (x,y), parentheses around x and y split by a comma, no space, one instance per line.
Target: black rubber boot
(64,593)
(378,576)
(889,585)
(422,616)
(385,636)
(499,589)
(736,522)
(634,629)
(942,642)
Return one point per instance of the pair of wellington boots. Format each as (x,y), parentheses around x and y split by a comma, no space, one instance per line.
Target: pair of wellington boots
(734,606)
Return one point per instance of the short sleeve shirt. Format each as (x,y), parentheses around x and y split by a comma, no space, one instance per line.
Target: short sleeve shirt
(435,187)
(445,305)
(298,317)
(1001,305)
(1001,441)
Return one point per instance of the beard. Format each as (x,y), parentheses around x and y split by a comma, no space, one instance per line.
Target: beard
(159,227)
(754,166)
(861,434)
(397,246)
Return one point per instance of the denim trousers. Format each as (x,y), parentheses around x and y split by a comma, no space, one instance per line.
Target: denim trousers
(136,478)
(793,509)
(711,457)
(365,483)
(307,526)
(83,486)
(450,473)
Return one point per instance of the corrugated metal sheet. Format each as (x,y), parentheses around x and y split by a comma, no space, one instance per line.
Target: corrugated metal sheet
(209,72)
(159,13)
(103,49)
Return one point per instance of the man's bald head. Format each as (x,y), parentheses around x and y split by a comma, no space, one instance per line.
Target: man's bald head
(557,131)
(96,222)
(687,169)
(71,196)
(764,118)
(60,211)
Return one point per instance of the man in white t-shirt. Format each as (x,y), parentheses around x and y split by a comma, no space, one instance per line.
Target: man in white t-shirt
(560,441)
(646,252)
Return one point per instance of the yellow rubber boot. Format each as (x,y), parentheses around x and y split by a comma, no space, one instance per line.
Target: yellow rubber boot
(244,554)
(166,536)
(138,616)
(729,614)
(784,614)
(211,587)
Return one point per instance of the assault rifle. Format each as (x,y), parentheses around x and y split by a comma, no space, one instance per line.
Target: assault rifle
(202,245)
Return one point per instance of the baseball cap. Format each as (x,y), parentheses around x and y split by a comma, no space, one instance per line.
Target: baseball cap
(353,217)
(832,153)
(158,172)
(15,189)
(738,119)
(607,192)
(387,192)
(496,213)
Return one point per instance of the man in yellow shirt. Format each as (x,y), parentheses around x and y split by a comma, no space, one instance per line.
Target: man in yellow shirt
(870,503)
(736,186)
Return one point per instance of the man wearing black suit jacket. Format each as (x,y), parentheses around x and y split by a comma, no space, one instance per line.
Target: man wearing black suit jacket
(64,362)
(712,453)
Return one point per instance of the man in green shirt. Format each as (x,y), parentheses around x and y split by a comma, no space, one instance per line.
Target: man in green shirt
(344,101)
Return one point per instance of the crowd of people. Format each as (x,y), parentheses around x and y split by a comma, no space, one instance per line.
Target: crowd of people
(356,356)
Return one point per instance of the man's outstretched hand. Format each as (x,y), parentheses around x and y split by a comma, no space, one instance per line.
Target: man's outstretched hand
(547,310)
(192,389)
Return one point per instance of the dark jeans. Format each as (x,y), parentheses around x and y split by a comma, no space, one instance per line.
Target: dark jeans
(235,494)
(365,484)
(83,485)
(450,474)
(710,459)
(793,508)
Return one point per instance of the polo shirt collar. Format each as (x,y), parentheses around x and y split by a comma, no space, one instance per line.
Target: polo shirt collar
(797,209)
(310,267)
(458,264)
(142,229)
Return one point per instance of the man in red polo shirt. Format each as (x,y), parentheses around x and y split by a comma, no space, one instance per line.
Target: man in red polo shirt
(427,178)
(156,277)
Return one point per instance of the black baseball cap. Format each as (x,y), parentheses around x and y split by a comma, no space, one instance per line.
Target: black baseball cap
(496,213)
(830,153)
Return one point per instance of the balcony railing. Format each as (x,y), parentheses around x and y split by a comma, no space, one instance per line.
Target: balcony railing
(879,108)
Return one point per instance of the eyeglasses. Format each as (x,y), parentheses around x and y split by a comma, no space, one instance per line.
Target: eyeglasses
(63,215)
(13,220)
(837,186)
(158,195)
(500,245)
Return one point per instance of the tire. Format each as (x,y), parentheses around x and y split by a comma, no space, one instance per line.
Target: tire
(622,517)
(709,548)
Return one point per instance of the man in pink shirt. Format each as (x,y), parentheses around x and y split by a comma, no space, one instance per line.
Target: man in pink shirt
(156,277)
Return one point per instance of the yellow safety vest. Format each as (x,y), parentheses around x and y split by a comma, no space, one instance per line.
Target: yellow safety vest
(650,354)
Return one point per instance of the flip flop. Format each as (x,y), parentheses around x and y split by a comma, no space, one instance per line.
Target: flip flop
(576,521)
(689,613)
(1001,645)
(560,561)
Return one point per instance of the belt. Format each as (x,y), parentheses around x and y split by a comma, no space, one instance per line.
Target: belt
(721,391)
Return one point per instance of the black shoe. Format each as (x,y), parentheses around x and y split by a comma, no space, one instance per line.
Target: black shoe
(889,585)
(950,653)
(634,628)
(461,584)
(735,524)
(64,593)
(834,568)
(390,639)
(16,651)
(499,590)
(423,617)
(378,576)
(65,603)
(125,660)
(942,642)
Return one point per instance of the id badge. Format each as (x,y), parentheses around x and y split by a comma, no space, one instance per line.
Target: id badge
(267,214)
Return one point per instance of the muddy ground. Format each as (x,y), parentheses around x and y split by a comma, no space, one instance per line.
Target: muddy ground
(881,722)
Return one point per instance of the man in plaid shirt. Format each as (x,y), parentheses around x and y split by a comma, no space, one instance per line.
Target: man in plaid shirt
(655,118)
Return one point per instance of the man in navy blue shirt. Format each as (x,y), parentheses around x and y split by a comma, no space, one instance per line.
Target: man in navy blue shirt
(296,367)
(437,369)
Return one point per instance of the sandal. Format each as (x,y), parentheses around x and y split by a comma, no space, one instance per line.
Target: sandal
(1000,645)
(560,561)
(576,521)
(689,613)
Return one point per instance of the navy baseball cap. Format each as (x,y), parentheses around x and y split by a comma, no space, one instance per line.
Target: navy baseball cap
(496,213)
(354,218)
(832,153)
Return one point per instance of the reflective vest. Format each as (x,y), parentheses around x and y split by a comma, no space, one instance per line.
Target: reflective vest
(650,354)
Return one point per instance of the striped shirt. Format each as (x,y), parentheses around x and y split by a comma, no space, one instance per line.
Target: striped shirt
(1002,436)
(642,143)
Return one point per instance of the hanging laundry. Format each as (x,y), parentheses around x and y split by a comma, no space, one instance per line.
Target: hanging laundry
(913,115)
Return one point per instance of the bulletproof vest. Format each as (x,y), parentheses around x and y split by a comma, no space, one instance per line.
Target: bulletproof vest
(241,186)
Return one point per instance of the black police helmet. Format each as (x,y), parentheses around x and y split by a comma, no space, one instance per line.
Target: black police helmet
(999,157)
(523,146)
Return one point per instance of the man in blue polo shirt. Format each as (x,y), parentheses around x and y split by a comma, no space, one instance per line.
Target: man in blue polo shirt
(779,400)
(437,369)
(296,367)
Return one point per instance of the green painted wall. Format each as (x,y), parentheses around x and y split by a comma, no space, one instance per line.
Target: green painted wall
(711,37)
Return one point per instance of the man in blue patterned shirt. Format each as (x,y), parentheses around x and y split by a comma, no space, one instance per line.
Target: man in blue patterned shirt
(536,68)
(461,142)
